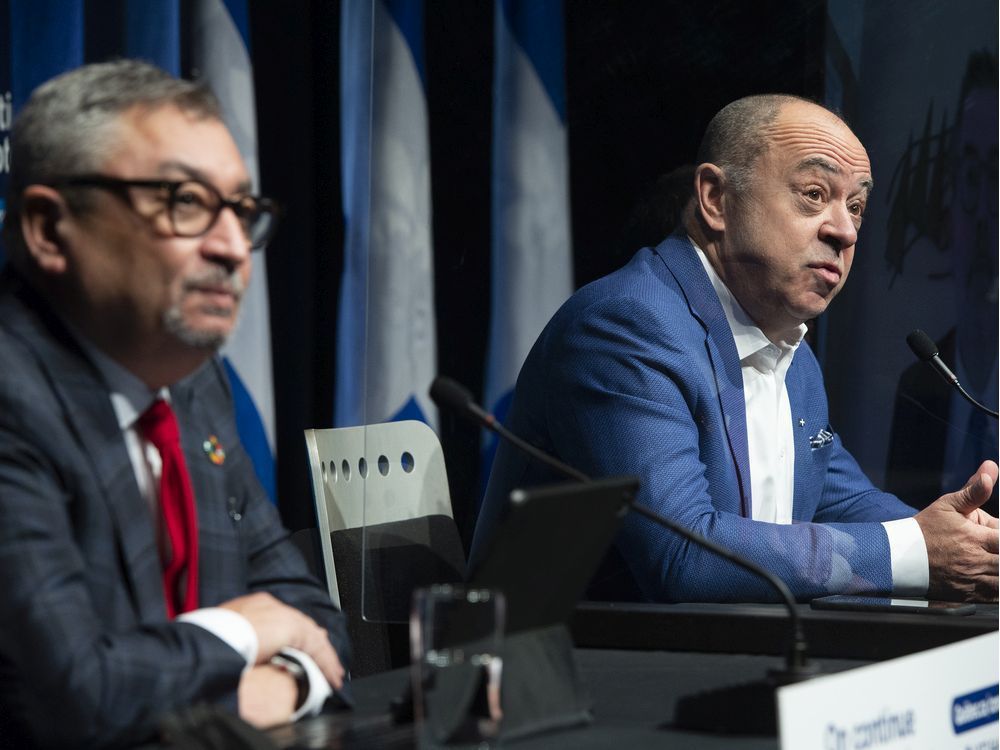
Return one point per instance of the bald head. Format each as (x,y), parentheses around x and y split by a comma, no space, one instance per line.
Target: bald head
(737,135)
(780,196)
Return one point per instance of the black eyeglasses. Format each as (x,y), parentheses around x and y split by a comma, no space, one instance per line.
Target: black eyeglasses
(193,206)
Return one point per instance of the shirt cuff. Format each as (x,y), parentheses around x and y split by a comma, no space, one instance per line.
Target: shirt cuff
(319,688)
(231,627)
(908,553)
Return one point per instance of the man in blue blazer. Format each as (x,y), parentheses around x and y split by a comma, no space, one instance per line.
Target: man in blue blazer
(687,368)
(129,233)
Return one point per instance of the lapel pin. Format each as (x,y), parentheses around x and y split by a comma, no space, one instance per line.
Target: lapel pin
(802,423)
(214,450)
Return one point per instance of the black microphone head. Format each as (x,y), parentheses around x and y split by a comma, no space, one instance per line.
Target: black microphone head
(922,345)
(449,394)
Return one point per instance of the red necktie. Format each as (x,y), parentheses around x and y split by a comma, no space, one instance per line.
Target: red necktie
(180,564)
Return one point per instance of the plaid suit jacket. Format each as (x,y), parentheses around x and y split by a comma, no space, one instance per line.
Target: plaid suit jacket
(87,655)
(638,374)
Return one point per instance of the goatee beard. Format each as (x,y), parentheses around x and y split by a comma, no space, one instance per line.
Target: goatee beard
(176,325)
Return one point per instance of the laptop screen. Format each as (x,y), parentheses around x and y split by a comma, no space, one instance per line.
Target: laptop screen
(549,545)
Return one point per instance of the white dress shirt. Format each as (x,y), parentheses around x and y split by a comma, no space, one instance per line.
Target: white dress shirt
(770,437)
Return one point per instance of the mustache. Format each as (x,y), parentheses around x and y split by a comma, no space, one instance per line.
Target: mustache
(217,278)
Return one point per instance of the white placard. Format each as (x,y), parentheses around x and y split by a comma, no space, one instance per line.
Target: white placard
(942,698)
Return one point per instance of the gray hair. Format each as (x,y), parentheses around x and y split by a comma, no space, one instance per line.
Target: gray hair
(734,139)
(69,125)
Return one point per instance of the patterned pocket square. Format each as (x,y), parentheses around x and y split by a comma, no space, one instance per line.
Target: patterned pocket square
(821,439)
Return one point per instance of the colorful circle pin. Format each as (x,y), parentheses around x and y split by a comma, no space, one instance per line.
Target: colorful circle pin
(214,450)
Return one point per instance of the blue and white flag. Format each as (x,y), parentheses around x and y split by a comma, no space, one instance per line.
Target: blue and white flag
(220,55)
(44,38)
(532,265)
(153,33)
(386,342)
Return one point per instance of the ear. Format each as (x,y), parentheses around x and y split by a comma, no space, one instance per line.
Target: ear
(709,187)
(42,210)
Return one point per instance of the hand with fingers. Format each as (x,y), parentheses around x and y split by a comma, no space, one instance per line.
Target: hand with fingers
(264,695)
(962,541)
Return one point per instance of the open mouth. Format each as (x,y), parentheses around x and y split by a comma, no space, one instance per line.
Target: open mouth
(828,272)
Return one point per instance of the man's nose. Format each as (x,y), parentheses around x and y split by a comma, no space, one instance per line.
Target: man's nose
(839,229)
(227,241)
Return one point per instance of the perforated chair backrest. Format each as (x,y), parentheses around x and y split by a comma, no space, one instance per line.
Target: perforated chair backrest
(374,474)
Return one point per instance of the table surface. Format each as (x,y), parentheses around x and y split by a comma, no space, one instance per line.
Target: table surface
(639,662)
(634,700)
(763,629)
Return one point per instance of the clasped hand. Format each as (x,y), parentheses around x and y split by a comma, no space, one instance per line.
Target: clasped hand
(267,694)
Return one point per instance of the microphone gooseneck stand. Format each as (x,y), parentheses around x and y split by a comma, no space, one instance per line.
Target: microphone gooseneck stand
(747,708)
(926,350)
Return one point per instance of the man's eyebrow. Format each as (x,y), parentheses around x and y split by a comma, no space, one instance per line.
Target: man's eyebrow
(179,166)
(828,166)
(197,174)
(818,161)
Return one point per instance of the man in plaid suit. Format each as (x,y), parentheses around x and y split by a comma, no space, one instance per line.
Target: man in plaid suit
(129,234)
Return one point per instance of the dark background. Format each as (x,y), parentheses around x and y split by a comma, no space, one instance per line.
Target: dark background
(642,80)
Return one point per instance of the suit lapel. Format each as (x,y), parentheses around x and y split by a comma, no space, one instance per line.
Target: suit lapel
(96,426)
(683,263)
(182,397)
(206,435)
(87,408)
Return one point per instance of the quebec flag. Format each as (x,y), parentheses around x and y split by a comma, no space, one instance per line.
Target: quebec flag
(153,33)
(220,34)
(39,39)
(219,39)
(386,343)
(532,266)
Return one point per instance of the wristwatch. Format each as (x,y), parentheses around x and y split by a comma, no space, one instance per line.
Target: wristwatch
(297,671)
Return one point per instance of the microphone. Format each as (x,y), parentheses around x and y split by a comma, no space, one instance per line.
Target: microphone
(926,350)
(453,396)
(448,394)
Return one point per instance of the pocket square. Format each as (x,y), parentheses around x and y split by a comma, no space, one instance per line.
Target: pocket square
(820,440)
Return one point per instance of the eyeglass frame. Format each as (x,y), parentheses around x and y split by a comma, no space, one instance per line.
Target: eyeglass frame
(265,206)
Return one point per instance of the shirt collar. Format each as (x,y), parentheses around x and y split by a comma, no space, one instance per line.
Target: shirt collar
(130,397)
(752,346)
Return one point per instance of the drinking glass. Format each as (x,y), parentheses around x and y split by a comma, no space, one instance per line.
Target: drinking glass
(456,637)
